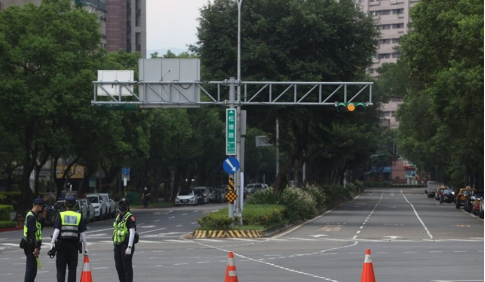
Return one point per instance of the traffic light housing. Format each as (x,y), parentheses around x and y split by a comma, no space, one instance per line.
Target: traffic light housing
(351,107)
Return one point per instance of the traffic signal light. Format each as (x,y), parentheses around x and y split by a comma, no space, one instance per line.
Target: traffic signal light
(351,107)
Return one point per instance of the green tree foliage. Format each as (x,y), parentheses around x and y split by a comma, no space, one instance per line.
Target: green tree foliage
(47,54)
(290,40)
(441,121)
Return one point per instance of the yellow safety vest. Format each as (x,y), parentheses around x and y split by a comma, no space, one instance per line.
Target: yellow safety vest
(120,229)
(69,225)
(38,233)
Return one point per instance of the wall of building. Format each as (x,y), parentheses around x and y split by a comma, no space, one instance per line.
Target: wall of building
(123,22)
(392,19)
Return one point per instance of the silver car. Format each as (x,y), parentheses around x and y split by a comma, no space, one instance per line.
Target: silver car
(90,207)
(186,198)
(60,206)
(255,187)
(205,194)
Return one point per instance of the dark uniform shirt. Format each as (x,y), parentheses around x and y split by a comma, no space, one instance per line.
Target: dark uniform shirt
(130,222)
(32,228)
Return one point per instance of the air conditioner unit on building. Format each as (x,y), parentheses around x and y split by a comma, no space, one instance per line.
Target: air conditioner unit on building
(393,2)
(375,13)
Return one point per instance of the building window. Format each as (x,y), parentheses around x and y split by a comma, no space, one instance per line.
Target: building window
(138,41)
(384,26)
(398,11)
(138,13)
(384,56)
(395,40)
(399,25)
(396,55)
(384,41)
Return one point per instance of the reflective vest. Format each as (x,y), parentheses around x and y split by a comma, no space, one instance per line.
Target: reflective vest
(38,233)
(70,225)
(120,229)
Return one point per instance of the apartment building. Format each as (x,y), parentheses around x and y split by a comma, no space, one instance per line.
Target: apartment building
(123,22)
(391,18)
(126,26)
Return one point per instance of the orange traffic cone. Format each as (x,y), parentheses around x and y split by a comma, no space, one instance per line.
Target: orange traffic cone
(86,274)
(368,271)
(231,275)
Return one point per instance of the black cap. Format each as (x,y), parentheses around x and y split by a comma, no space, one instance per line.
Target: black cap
(38,201)
(70,200)
(124,201)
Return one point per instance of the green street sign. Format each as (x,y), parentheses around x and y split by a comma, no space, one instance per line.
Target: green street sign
(231,132)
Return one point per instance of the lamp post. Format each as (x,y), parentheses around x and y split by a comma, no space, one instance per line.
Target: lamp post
(239,150)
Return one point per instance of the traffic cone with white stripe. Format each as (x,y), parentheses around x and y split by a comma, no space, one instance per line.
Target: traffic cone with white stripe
(86,274)
(368,271)
(231,275)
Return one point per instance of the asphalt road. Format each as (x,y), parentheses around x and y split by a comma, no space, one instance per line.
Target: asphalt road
(411,237)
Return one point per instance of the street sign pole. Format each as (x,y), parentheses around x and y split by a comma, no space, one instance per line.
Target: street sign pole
(231,132)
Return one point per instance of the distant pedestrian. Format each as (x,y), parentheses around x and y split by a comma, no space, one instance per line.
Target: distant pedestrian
(124,241)
(33,225)
(144,197)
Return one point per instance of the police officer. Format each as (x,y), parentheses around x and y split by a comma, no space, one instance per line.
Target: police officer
(33,226)
(69,227)
(123,239)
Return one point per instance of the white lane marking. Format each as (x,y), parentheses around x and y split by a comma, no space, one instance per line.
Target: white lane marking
(147,226)
(416,213)
(456,280)
(179,225)
(370,214)
(154,230)
(299,226)
(194,222)
(184,214)
(285,268)
(156,220)
(172,217)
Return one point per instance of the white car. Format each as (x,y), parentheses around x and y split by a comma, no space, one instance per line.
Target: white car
(111,204)
(205,193)
(255,187)
(100,206)
(186,198)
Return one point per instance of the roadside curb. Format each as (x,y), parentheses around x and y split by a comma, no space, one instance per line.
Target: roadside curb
(11,229)
(199,234)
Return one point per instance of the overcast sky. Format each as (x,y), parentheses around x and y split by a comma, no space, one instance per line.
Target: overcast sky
(171,24)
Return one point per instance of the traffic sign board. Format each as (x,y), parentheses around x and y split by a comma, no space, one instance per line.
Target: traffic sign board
(230,196)
(230,165)
(230,132)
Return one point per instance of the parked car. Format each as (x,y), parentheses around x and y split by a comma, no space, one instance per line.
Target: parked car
(110,203)
(90,208)
(220,193)
(100,206)
(60,206)
(200,196)
(462,195)
(480,213)
(211,193)
(205,194)
(447,196)
(431,187)
(255,187)
(439,191)
(186,198)
(470,200)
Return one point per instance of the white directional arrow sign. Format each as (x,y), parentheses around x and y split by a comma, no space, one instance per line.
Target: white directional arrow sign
(233,169)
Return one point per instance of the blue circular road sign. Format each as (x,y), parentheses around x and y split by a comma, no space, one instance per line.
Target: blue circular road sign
(230,165)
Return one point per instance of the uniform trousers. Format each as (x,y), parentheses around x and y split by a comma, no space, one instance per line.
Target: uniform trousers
(67,257)
(124,265)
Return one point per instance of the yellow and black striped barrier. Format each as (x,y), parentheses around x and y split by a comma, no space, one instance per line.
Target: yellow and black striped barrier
(198,234)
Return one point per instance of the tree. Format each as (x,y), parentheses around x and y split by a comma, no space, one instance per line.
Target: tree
(291,40)
(47,54)
(442,120)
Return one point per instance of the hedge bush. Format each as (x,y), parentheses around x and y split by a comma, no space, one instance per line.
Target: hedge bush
(5,211)
(7,224)
(216,221)
(263,215)
(257,215)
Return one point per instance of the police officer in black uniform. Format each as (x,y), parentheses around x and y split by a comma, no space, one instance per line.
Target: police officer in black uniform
(69,227)
(124,241)
(33,225)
